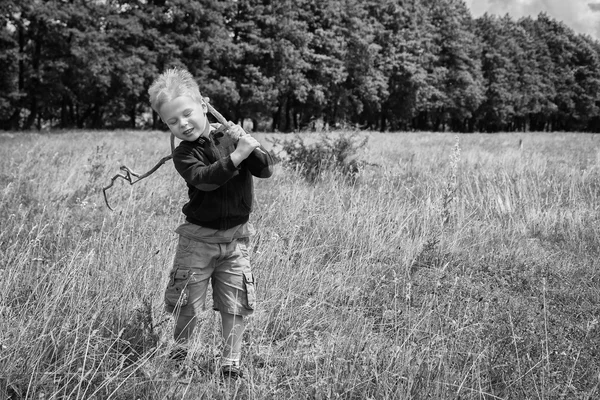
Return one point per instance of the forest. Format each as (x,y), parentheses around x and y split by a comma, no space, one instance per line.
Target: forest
(294,65)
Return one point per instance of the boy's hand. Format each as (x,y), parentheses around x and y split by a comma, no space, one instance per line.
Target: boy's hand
(235,131)
(246,144)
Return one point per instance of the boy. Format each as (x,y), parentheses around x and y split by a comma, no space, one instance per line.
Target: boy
(213,242)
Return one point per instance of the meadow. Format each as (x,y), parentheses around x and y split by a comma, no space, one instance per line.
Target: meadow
(454,267)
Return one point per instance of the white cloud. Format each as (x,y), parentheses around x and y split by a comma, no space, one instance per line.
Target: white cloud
(576,14)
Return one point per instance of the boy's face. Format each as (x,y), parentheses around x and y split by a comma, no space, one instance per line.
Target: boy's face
(186,118)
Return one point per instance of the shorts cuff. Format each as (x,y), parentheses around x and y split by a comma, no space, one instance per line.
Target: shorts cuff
(243,312)
(187,311)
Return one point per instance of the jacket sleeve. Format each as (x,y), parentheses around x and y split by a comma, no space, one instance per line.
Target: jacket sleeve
(197,171)
(260,164)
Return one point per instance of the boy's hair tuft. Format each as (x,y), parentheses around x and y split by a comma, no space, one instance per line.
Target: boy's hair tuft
(172,83)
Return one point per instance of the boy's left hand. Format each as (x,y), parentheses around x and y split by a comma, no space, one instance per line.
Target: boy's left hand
(236,131)
(245,144)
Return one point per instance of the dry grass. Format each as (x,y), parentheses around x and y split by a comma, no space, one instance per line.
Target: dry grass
(453,270)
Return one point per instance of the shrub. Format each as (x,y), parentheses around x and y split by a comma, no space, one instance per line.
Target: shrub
(338,153)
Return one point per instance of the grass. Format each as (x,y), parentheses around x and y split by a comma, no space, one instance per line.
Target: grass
(455,268)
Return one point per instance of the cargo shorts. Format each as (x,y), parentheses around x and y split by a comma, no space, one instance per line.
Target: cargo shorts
(225,265)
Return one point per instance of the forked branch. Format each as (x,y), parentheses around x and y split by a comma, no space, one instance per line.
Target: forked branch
(129,175)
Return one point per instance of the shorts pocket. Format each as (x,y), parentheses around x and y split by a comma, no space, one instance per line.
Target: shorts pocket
(184,244)
(177,293)
(250,290)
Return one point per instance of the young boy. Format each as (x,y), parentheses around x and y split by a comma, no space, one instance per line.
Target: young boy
(213,242)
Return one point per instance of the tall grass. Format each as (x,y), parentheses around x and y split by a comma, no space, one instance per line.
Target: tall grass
(456,268)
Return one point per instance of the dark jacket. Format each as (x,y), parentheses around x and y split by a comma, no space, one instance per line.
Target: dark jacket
(220,194)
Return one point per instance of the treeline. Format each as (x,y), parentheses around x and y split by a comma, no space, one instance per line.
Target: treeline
(289,64)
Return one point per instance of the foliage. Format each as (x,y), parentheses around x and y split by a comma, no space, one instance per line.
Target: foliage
(289,65)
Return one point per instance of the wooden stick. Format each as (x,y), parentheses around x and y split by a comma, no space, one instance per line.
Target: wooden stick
(223,121)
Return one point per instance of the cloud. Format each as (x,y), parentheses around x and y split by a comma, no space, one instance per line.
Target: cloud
(582,16)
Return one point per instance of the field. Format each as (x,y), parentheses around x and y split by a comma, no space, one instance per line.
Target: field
(453,268)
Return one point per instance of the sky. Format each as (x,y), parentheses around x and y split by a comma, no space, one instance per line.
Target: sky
(583,16)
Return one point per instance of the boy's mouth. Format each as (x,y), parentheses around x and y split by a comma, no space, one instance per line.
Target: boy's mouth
(188,132)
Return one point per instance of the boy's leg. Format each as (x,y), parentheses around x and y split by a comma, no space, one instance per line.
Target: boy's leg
(234,297)
(184,328)
(186,291)
(233,329)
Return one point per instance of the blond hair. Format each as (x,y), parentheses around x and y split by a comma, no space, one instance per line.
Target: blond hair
(171,84)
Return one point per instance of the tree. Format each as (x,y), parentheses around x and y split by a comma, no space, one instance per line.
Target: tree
(587,76)
(501,79)
(408,57)
(38,47)
(289,38)
(591,76)
(11,64)
(249,57)
(366,82)
(129,32)
(457,68)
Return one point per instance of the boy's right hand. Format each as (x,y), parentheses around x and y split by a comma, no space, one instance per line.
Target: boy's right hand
(245,147)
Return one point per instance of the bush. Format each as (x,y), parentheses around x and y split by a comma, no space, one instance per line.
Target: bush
(338,154)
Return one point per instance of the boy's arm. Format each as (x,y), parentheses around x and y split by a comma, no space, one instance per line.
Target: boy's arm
(260,164)
(199,172)
(256,158)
